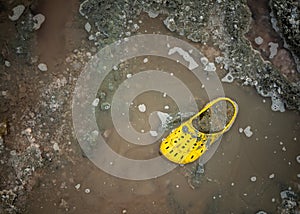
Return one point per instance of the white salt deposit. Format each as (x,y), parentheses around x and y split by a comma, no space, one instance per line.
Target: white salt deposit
(87,27)
(153,133)
(38,20)
(210,67)
(273,49)
(258,40)
(17,12)
(186,56)
(228,78)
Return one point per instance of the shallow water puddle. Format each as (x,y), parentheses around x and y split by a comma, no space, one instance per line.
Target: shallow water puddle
(226,186)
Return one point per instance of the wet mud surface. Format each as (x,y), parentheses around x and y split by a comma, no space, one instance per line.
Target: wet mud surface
(44,170)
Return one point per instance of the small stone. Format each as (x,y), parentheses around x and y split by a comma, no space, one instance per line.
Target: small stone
(258,40)
(42,67)
(142,107)
(166,107)
(272,176)
(261,212)
(177,186)
(77,186)
(87,27)
(7,63)
(298,159)
(241,130)
(253,178)
(87,191)
(95,102)
(17,12)
(145,60)
(129,76)
(124,211)
(273,200)
(56,147)
(248,132)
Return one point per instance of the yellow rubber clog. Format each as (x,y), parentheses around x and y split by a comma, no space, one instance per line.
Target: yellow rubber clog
(192,138)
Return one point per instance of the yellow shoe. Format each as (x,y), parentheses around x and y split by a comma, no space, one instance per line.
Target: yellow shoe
(192,138)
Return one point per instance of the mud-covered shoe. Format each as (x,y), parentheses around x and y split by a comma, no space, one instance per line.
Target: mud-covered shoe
(193,138)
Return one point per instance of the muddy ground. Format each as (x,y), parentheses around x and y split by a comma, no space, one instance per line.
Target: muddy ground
(43,169)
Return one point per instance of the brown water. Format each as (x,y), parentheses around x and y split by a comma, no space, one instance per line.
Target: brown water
(226,187)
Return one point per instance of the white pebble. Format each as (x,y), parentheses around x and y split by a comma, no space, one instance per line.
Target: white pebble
(253,178)
(272,176)
(77,186)
(166,107)
(124,211)
(43,67)
(273,200)
(232,184)
(248,132)
(284,149)
(55,147)
(87,191)
(87,27)
(241,130)
(95,102)
(128,76)
(177,186)
(298,158)
(7,63)
(145,60)
(142,107)
(298,175)
(164,94)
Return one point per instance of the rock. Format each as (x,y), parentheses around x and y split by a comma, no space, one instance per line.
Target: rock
(87,191)
(42,67)
(261,212)
(56,147)
(272,176)
(17,12)
(298,159)
(77,186)
(248,132)
(253,179)
(7,63)
(145,60)
(142,107)
(87,27)
(153,133)
(38,20)
(95,102)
